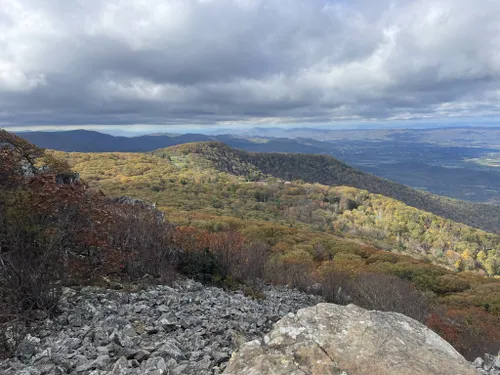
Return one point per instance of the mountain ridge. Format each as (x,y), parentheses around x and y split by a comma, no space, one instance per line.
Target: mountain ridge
(92,141)
(311,168)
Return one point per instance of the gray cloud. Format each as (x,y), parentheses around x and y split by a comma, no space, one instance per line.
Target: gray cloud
(208,61)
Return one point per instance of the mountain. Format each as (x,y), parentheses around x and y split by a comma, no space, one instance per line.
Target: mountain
(319,168)
(213,180)
(327,170)
(259,144)
(91,141)
(463,172)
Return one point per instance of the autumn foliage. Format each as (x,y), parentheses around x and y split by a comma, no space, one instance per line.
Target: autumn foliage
(232,233)
(54,233)
(226,258)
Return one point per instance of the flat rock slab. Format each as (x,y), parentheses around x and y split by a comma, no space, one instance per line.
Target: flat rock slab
(348,340)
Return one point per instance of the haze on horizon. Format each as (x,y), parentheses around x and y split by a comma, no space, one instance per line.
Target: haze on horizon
(226,63)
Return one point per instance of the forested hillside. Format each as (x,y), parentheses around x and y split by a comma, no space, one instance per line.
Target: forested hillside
(216,180)
(327,170)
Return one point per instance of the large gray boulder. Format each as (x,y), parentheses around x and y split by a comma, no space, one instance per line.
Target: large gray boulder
(348,340)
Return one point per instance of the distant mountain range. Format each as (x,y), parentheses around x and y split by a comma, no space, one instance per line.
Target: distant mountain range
(91,141)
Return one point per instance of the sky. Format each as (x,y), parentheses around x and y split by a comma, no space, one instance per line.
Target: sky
(190,64)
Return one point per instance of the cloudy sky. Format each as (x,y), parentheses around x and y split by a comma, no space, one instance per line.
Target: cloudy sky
(227,62)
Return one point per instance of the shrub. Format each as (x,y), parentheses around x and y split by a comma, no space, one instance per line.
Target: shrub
(140,242)
(53,230)
(35,236)
(388,293)
(222,258)
(294,268)
(247,266)
(34,226)
(200,265)
(448,284)
(29,270)
(321,253)
(383,257)
(446,329)
(335,285)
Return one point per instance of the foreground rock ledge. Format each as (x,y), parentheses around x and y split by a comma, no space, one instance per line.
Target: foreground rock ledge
(348,340)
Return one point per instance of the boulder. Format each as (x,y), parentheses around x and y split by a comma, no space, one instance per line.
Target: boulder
(348,340)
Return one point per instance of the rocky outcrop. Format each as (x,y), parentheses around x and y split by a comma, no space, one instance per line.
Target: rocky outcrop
(187,329)
(348,340)
(139,203)
(68,178)
(134,202)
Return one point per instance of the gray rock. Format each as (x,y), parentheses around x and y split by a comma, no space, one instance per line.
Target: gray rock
(102,350)
(142,355)
(86,367)
(170,349)
(205,364)
(496,363)
(28,347)
(171,363)
(478,363)
(332,339)
(220,357)
(130,332)
(120,367)
(179,370)
(102,361)
(186,329)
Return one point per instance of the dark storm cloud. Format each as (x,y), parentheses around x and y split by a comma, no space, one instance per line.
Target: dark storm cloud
(206,61)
